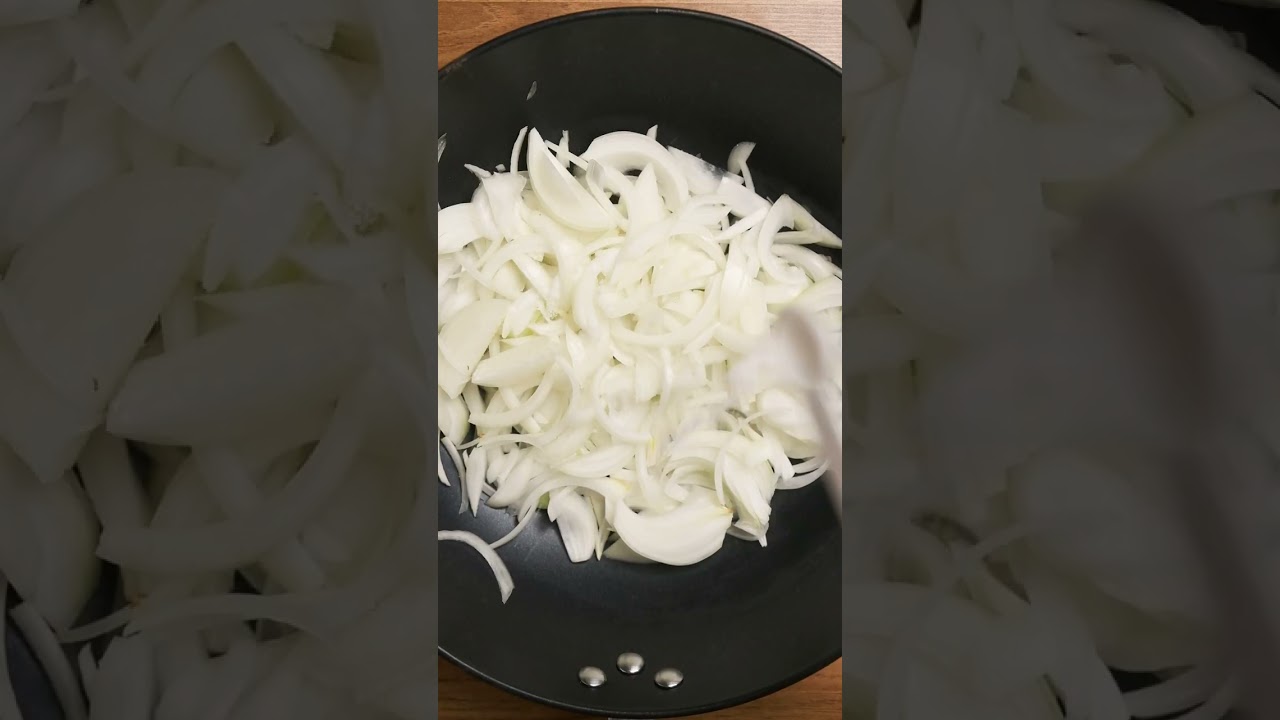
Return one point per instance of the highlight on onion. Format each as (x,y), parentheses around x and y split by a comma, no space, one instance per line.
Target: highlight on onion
(597,314)
(214,405)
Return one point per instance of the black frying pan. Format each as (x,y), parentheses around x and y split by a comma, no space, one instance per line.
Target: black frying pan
(749,620)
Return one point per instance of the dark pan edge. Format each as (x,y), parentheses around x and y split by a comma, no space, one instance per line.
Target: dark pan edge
(697,710)
(804,50)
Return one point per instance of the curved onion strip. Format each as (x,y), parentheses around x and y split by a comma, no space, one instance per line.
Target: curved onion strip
(499,568)
(55,663)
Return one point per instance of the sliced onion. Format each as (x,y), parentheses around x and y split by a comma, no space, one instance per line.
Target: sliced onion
(499,568)
(684,536)
(56,665)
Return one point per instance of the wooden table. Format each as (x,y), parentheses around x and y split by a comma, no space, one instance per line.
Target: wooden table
(465,24)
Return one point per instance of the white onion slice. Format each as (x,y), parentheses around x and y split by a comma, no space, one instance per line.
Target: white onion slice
(499,568)
(56,665)
(684,536)
(125,684)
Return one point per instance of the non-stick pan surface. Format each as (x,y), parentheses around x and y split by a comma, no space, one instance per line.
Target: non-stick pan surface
(751,619)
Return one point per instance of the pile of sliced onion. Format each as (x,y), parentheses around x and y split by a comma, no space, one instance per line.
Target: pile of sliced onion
(208,372)
(213,351)
(1020,545)
(604,351)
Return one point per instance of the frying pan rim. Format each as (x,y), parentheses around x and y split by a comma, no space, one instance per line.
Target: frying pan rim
(637,11)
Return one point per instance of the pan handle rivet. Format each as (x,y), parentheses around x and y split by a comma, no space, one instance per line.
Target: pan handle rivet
(669,679)
(630,663)
(591,676)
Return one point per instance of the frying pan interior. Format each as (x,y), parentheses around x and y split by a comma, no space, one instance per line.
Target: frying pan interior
(750,619)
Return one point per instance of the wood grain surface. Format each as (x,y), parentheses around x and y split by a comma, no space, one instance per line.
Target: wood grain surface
(465,24)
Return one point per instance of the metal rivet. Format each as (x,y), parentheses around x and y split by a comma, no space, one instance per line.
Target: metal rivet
(669,678)
(630,663)
(591,676)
